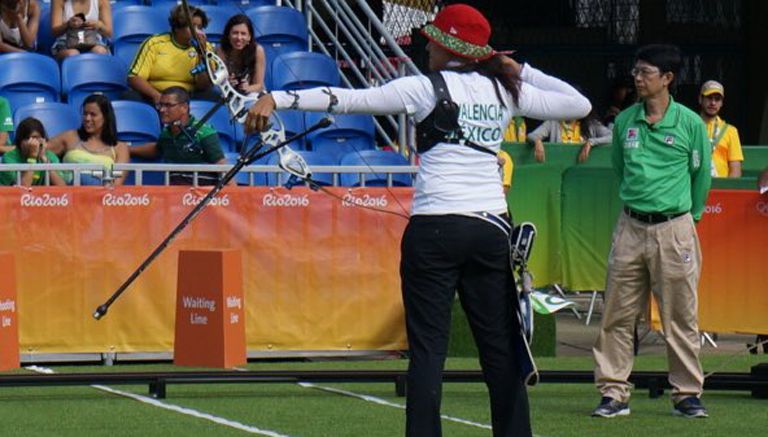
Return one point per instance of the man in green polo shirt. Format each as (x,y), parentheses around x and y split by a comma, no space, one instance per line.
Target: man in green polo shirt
(662,158)
(180,142)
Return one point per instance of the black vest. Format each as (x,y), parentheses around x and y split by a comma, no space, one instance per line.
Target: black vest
(442,124)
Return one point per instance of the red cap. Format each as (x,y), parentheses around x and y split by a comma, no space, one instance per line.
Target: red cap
(462,30)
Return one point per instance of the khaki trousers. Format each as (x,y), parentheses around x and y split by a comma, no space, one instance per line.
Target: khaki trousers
(664,258)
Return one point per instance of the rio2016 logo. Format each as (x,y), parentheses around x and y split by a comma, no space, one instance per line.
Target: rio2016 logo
(44,201)
(190,199)
(762,208)
(126,199)
(285,200)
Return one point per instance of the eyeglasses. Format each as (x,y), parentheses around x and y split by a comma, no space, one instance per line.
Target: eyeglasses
(644,71)
(163,105)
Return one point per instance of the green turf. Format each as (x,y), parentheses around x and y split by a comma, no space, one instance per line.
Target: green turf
(556,409)
(462,344)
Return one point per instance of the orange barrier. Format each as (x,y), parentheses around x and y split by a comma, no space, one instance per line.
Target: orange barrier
(319,274)
(9,331)
(210,324)
(733,290)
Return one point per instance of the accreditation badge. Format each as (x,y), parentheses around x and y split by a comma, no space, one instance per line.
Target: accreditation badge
(632,138)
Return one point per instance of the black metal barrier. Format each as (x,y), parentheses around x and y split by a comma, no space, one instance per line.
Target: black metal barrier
(756,381)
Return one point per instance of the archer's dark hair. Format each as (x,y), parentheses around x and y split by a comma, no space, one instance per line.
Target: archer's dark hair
(25,129)
(109,130)
(249,52)
(494,69)
(666,57)
(178,19)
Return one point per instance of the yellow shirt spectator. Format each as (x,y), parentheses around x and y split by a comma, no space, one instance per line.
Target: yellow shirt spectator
(726,146)
(506,170)
(516,130)
(164,63)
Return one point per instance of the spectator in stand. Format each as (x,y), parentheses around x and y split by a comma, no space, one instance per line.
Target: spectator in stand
(723,137)
(81,26)
(516,130)
(244,57)
(621,97)
(182,141)
(31,149)
(19,22)
(170,60)
(588,132)
(6,125)
(506,168)
(94,142)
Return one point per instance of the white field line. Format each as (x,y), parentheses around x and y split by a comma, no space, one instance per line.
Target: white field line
(176,408)
(387,403)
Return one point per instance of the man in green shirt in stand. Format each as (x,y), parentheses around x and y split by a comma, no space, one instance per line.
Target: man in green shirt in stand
(662,158)
(179,144)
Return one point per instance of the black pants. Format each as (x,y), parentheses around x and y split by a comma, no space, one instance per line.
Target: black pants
(442,254)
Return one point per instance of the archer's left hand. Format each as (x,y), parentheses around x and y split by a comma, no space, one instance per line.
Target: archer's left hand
(257,119)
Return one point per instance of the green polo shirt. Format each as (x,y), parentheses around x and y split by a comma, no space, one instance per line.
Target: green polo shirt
(180,149)
(664,167)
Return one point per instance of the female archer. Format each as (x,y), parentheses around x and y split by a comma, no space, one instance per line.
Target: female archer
(457,235)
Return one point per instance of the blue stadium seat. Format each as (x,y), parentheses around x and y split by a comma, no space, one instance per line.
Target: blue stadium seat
(217,19)
(167,5)
(348,133)
(220,121)
(313,159)
(374,158)
(56,117)
(118,5)
(45,38)
(83,75)
(301,70)
(245,4)
(279,29)
(137,122)
(132,26)
(29,78)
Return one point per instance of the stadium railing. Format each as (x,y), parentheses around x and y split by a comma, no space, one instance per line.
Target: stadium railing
(196,169)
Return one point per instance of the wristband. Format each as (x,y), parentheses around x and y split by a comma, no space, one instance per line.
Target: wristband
(31,161)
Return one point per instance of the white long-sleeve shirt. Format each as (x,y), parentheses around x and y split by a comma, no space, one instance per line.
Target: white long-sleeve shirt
(454,179)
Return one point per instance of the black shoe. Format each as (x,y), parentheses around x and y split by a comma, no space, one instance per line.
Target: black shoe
(690,407)
(610,407)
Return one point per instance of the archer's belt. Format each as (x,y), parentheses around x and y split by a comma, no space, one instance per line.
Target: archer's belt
(651,218)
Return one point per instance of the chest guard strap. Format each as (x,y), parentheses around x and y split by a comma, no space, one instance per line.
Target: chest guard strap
(442,124)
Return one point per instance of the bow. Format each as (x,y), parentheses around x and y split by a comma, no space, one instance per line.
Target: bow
(238,105)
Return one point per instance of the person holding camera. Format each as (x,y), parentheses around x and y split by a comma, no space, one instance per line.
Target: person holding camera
(31,149)
(245,58)
(81,26)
